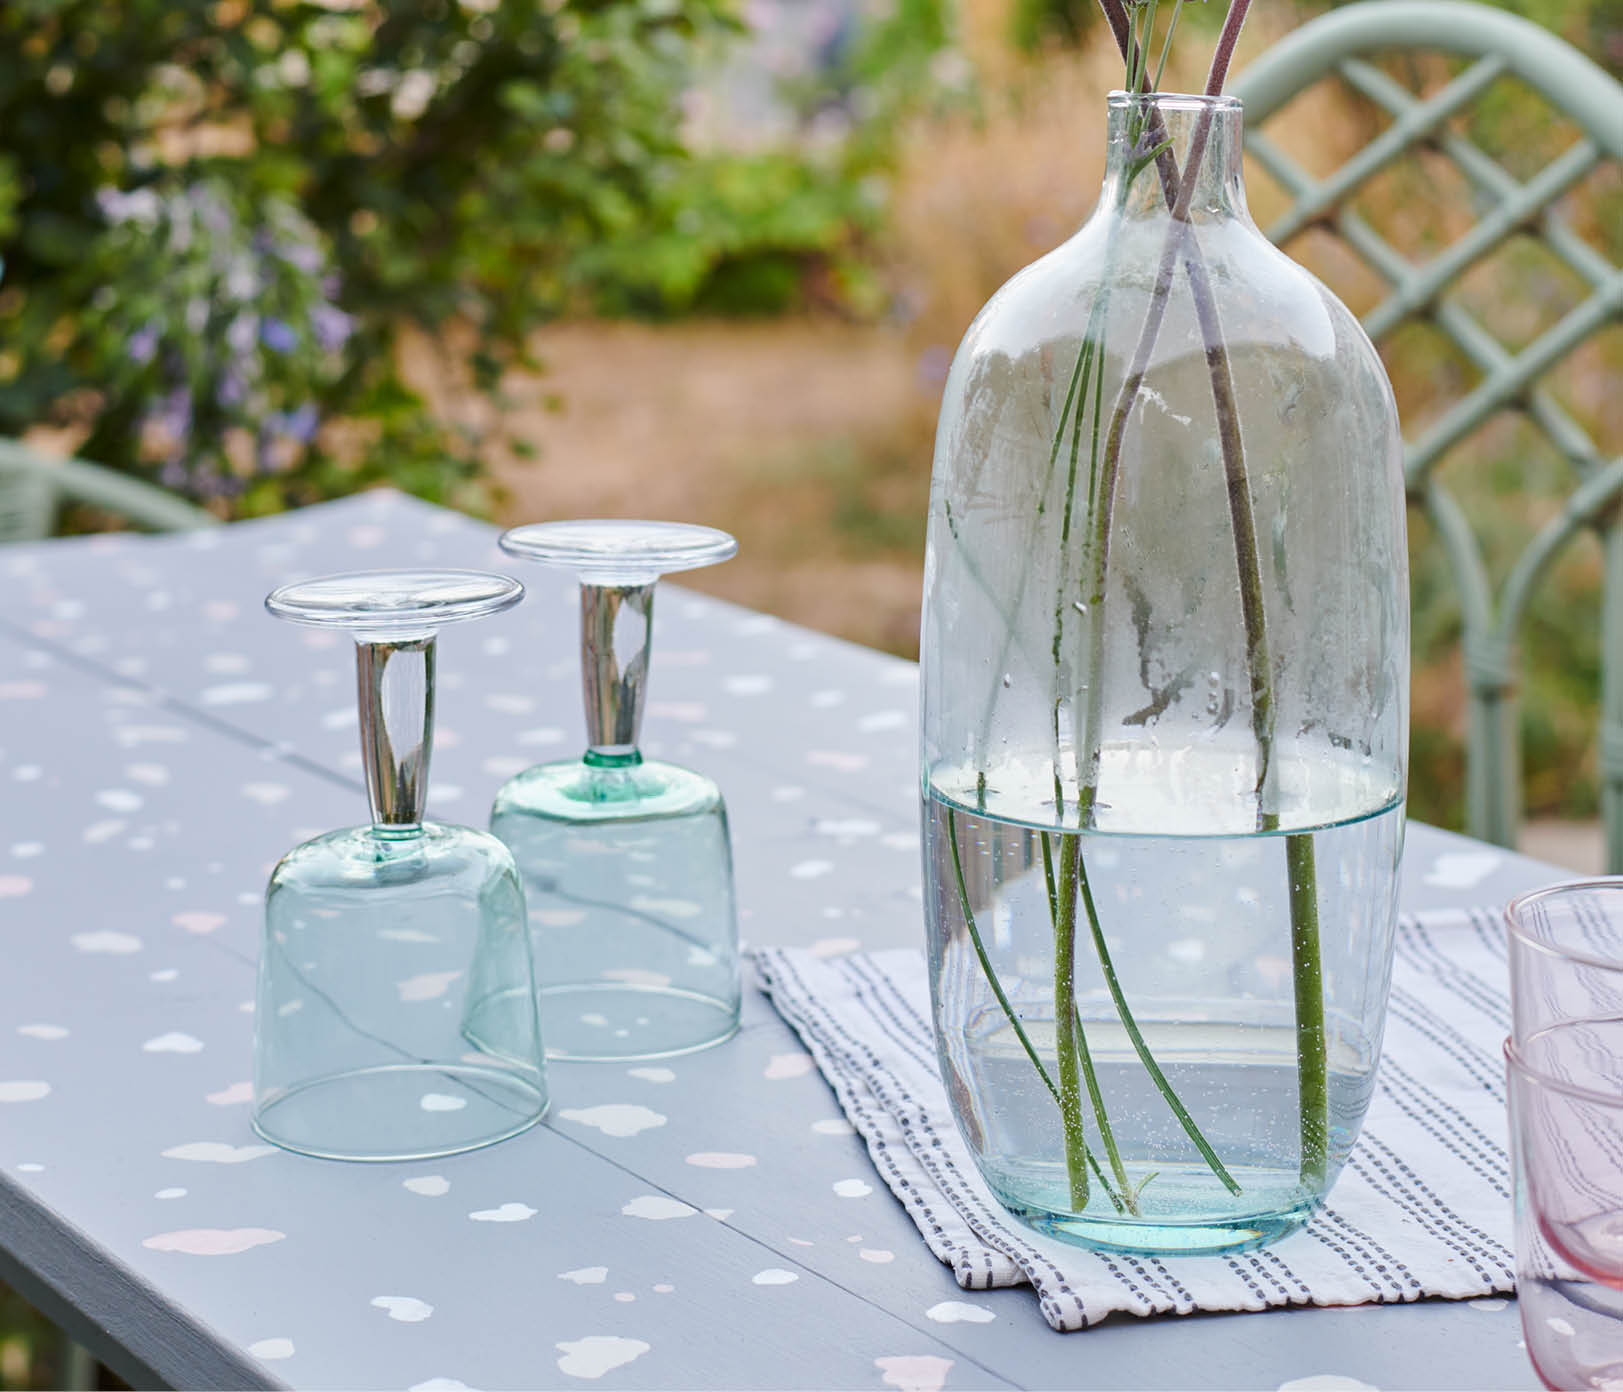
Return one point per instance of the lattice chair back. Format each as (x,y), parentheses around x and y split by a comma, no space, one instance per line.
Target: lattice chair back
(1342,44)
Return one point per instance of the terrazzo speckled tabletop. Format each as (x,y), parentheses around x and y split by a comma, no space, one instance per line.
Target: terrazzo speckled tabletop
(710,1222)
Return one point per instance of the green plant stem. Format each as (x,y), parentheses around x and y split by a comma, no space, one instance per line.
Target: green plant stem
(1141,1048)
(1307,977)
(986,963)
(1070,1091)
(1075,1143)
(1101,1118)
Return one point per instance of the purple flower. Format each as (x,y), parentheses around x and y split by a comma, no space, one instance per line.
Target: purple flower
(278,336)
(299,424)
(331,327)
(143,344)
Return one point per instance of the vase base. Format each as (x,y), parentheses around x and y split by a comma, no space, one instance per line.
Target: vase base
(1162,1237)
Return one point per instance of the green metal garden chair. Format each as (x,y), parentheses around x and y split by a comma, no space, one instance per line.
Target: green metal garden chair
(32,488)
(1342,44)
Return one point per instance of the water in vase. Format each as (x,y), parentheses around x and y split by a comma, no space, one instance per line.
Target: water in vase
(1196,932)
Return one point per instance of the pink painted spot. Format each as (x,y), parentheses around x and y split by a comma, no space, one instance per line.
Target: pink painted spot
(922,1372)
(231,1096)
(22,690)
(198,921)
(14,886)
(213,1242)
(721,1160)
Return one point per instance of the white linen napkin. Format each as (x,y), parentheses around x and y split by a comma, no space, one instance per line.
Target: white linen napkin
(1423,1207)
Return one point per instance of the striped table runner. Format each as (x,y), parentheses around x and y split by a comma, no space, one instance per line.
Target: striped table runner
(1422,1209)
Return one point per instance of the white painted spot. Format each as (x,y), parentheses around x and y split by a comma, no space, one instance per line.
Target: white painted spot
(197,921)
(959,1312)
(670,908)
(510,703)
(30,1090)
(1187,950)
(657,1207)
(1463,869)
(811,869)
(834,947)
(441,1102)
(781,1066)
(119,800)
(271,1350)
(624,1297)
(26,850)
(97,832)
(836,760)
(405,1308)
(788,793)
(212,1242)
(217,1152)
(507,1213)
(846,828)
(43,1031)
(545,735)
(429,986)
(615,1118)
(919,1372)
(1492,1304)
(852,1188)
(1326,1382)
(774,1276)
(558,918)
(30,1167)
(266,794)
(586,1276)
(414,935)
(167,974)
(173,1043)
(751,685)
(883,720)
(14,886)
(653,1075)
(237,693)
(637,976)
(106,941)
(173,1193)
(597,1354)
(1560,1326)
(440,1384)
(664,1287)
(833,1126)
(828,699)
(721,1160)
(721,1215)
(431,1186)
(877,1255)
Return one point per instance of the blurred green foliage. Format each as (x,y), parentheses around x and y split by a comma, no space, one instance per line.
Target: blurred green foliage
(217,216)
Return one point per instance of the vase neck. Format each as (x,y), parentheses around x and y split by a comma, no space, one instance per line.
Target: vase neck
(1206,131)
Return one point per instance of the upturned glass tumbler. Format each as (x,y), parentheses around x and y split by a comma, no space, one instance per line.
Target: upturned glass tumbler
(626,860)
(396,1015)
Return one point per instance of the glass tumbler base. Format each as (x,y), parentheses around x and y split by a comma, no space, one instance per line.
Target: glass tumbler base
(613,1022)
(405,1111)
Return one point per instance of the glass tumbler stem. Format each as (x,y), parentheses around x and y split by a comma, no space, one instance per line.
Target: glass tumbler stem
(396,688)
(616,628)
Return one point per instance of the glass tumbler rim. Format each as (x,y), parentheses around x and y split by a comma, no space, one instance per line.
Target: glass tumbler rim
(1518,1063)
(394,603)
(1516,920)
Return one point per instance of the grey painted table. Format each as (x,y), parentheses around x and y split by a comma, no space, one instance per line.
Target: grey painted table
(710,1223)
